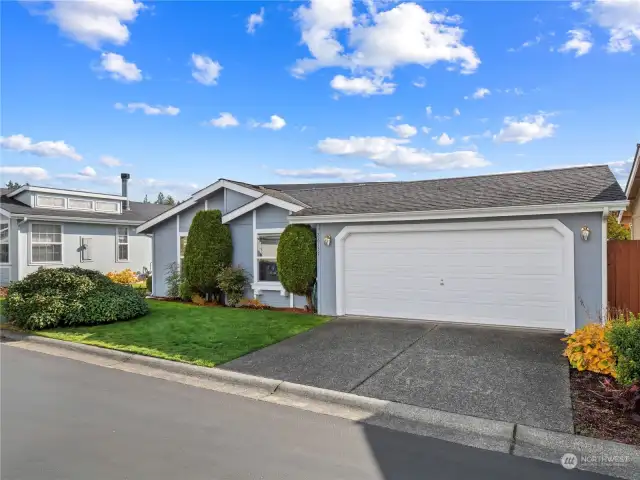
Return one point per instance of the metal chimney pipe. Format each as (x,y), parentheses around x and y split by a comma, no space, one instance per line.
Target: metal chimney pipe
(125,191)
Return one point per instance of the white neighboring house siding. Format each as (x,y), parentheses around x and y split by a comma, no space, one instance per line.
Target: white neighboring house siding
(104,244)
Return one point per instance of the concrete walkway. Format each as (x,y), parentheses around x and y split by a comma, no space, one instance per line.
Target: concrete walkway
(503,374)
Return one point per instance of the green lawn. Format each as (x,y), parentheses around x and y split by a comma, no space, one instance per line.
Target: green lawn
(205,336)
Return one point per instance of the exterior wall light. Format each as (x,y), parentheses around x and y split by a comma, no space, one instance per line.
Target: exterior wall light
(584,233)
(327,240)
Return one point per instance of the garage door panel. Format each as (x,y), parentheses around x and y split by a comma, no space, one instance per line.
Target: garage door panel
(503,276)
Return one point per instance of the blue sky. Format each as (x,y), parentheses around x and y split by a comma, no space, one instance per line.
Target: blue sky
(180,94)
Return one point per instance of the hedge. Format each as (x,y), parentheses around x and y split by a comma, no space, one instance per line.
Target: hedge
(297,260)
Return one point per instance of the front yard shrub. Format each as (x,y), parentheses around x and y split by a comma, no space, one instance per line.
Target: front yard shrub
(125,277)
(208,251)
(588,349)
(253,304)
(52,297)
(185,292)
(624,337)
(297,261)
(173,280)
(233,281)
(149,283)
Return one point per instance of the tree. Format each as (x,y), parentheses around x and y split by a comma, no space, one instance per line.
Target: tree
(146,199)
(160,199)
(297,261)
(13,185)
(208,251)
(616,231)
(169,201)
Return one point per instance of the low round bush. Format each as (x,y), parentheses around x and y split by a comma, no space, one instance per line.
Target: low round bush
(588,349)
(55,297)
(624,337)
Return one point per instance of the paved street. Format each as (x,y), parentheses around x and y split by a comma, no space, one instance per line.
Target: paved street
(63,419)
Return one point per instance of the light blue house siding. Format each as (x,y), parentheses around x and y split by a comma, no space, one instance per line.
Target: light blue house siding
(587,258)
(166,236)
(103,244)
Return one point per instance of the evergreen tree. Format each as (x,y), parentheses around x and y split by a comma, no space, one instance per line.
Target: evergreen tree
(160,199)
(146,199)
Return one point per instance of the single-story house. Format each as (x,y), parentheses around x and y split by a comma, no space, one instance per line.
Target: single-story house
(519,249)
(54,227)
(631,216)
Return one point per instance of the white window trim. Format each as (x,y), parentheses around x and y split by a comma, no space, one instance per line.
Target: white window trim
(31,243)
(38,197)
(8,263)
(260,286)
(181,235)
(567,234)
(91,208)
(128,246)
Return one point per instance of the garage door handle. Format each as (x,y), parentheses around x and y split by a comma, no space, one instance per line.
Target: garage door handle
(441,282)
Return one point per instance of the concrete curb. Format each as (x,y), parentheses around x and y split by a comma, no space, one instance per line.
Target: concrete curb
(595,455)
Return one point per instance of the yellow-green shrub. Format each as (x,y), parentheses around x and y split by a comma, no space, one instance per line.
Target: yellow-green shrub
(588,349)
(125,277)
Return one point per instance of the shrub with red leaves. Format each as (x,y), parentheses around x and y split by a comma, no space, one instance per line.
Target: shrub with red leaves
(627,398)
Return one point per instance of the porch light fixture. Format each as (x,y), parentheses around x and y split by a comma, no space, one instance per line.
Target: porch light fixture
(584,233)
(327,240)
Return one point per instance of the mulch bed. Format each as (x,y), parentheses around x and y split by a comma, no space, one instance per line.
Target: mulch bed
(596,414)
(213,304)
(3,292)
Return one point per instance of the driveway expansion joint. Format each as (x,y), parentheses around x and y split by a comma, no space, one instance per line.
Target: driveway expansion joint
(512,445)
(377,370)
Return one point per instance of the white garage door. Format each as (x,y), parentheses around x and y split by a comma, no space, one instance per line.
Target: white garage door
(517,273)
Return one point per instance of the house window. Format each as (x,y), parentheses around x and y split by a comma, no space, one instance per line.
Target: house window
(46,243)
(266,256)
(86,249)
(183,245)
(122,244)
(78,204)
(107,207)
(4,242)
(49,202)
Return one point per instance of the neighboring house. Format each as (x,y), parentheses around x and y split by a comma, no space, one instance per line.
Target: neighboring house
(631,216)
(498,249)
(52,227)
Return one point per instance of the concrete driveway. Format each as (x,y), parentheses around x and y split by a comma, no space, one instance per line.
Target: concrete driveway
(504,374)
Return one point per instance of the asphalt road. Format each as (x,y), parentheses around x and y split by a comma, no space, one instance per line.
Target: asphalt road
(63,419)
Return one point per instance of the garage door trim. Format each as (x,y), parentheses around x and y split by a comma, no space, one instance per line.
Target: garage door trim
(566,233)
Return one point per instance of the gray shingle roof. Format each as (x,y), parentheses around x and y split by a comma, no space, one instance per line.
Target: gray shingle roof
(545,187)
(139,212)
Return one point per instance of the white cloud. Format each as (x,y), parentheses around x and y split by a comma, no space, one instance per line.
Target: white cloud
(20,143)
(95,22)
(420,83)
(622,169)
(224,120)
(275,123)
(456,112)
(429,110)
(485,134)
(30,173)
(480,93)
(621,18)
(392,152)
(254,20)
(425,129)
(404,130)
(205,70)
(527,44)
(152,186)
(579,42)
(148,109)
(344,174)
(118,68)
(531,127)
(364,86)
(88,172)
(380,41)
(444,140)
(110,161)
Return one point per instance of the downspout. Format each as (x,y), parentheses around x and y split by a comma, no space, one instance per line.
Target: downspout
(605,266)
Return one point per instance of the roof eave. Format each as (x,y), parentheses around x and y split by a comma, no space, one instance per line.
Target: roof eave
(462,213)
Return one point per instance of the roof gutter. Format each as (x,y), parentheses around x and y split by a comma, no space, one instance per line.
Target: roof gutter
(103,221)
(554,209)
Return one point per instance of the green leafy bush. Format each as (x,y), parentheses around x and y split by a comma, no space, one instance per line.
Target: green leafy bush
(149,284)
(233,281)
(173,280)
(185,291)
(208,251)
(53,297)
(297,261)
(624,338)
